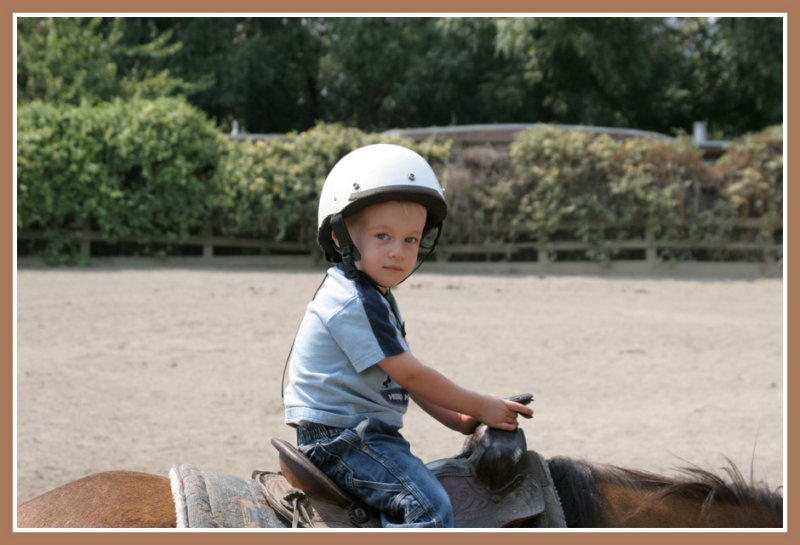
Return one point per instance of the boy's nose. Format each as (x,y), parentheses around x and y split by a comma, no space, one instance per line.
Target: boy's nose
(396,251)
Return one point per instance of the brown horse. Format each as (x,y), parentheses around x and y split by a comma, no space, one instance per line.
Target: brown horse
(592,496)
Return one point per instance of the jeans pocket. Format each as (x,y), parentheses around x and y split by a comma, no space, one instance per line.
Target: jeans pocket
(328,455)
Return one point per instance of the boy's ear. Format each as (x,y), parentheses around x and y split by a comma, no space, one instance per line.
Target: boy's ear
(335,239)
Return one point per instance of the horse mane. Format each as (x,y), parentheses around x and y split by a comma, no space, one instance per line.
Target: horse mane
(575,482)
(700,484)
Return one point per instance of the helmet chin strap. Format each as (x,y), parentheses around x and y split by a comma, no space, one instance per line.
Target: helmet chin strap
(347,249)
(430,249)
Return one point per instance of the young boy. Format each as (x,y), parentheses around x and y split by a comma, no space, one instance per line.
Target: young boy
(351,370)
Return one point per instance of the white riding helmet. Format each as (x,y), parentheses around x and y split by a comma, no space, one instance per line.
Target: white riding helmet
(374,174)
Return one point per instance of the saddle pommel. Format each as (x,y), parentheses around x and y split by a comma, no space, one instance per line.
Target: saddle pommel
(496,456)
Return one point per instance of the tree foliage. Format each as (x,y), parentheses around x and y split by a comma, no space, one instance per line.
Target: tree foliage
(84,61)
(279,74)
(261,71)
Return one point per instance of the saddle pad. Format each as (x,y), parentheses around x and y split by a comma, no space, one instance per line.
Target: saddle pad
(207,499)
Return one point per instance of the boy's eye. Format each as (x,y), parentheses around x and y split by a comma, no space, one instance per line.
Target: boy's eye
(412,240)
(382,236)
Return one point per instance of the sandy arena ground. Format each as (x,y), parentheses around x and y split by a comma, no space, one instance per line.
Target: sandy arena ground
(140,368)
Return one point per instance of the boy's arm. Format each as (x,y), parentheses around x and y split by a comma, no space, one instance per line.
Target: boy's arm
(463,423)
(437,390)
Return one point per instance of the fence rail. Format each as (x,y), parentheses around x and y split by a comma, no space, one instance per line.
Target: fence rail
(207,242)
(648,248)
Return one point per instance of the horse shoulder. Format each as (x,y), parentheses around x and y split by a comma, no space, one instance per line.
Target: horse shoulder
(113,499)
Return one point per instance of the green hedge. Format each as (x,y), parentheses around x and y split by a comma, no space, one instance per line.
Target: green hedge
(574,184)
(749,177)
(126,168)
(147,169)
(271,187)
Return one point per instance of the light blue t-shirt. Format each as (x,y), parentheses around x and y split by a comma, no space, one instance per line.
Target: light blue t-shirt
(348,328)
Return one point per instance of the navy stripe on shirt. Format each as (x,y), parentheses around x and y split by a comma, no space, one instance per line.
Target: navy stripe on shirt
(378,315)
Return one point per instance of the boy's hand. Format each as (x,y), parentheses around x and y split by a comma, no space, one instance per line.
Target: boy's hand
(502,413)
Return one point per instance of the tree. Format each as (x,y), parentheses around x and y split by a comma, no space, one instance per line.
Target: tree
(365,61)
(652,73)
(462,77)
(278,74)
(752,52)
(78,61)
(400,72)
(260,71)
(596,70)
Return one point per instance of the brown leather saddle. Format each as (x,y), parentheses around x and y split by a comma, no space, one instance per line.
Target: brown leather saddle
(494,482)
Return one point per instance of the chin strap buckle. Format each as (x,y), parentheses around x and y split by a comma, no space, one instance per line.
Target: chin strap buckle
(347,249)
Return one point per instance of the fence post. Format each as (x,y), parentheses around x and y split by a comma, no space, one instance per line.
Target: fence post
(541,249)
(208,246)
(86,241)
(651,255)
(700,132)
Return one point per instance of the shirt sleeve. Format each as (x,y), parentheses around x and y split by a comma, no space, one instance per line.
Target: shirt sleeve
(367,331)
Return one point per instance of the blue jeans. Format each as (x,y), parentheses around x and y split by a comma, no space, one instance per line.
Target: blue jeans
(374,463)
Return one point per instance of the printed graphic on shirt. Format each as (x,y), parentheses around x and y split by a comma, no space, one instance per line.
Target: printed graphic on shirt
(394,393)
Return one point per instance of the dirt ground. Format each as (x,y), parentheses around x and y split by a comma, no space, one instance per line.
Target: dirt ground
(143,367)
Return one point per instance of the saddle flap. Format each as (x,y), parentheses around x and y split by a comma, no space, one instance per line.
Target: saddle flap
(302,474)
(475,505)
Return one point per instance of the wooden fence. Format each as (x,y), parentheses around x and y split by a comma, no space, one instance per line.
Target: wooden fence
(645,248)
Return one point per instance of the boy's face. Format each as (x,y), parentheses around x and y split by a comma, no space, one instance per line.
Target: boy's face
(388,236)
